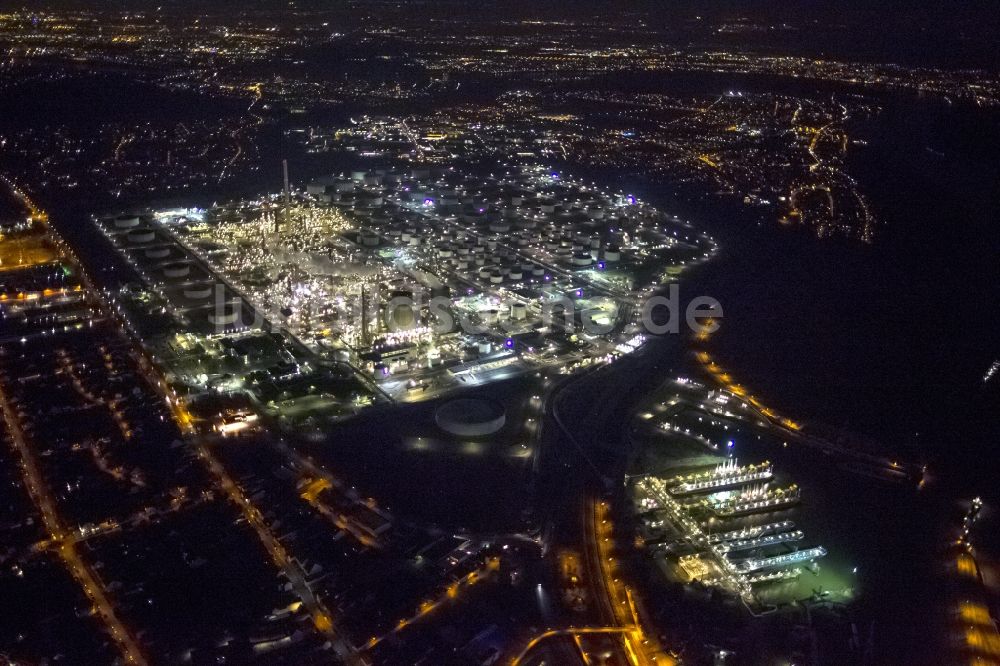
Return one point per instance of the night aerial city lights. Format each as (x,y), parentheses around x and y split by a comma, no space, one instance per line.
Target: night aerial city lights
(400,332)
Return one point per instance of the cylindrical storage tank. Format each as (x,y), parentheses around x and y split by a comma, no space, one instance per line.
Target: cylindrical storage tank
(538,271)
(158,252)
(371,181)
(612,253)
(499,227)
(518,311)
(491,316)
(358,176)
(369,239)
(582,259)
(414,240)
(126,221)
(470,417)
(344,186)
(480,261)
(199,291)
(496,277)
(141,236)
(484,272)
(225,316)
(516,274)
(176,270)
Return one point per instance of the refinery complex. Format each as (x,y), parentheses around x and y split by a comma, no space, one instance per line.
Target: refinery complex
(396,284)
(498,334)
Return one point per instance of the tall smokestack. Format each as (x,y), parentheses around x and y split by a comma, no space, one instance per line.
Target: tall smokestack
(286,196)
(364,318)
(287,191)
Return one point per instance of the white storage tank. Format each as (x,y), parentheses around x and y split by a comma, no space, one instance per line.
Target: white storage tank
(199,292)
(226,315)
(174,271)
(126,221)
(470,417)
(141,236)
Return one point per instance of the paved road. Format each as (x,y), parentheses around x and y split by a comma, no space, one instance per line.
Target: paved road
(66,547)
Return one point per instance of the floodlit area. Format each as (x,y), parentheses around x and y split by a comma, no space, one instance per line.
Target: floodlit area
(420,279)
(289,261)
(21,250)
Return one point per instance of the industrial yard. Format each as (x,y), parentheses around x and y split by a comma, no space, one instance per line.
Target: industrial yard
(418,281)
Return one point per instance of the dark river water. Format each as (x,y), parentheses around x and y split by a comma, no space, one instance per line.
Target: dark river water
(891,340)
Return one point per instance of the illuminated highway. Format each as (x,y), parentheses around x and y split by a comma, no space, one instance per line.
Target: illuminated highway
(60,537)
(63,541)
(450,594)
(572,631)
(321,617)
